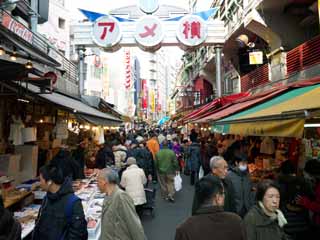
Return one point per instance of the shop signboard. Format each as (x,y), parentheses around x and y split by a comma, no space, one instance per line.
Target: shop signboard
(256,57)
(192,30)
(19,29)
(149,33)
(106,32)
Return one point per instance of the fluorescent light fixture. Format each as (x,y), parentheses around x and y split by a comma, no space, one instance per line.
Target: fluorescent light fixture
(23,100)
(311,125)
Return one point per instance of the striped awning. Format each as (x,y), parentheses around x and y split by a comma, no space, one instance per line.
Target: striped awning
(284,115)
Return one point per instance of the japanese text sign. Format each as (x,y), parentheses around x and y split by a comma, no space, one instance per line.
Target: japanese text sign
(149,32)
(192,30)
(106,31)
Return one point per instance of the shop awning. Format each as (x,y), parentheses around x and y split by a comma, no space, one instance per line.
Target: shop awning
(236,106)
(283,115)
(212,106)
(76,107)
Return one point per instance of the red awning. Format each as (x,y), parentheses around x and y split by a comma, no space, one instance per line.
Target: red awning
(214,105)
(246,102)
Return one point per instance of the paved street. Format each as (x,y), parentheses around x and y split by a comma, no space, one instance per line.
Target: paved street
(169,215)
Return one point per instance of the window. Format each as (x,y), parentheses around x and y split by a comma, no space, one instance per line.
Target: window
(62,23)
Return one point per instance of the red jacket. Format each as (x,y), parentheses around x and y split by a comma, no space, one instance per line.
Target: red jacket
(313,205)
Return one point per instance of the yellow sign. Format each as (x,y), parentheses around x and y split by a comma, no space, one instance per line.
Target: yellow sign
(152,101)
(256,58)
(279,128)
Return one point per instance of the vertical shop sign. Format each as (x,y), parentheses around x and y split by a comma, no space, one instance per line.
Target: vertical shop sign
(128,72)
(152,101)
(106,31)
(192,30)
(144,94)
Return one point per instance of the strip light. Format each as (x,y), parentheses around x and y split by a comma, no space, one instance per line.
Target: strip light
(311,125)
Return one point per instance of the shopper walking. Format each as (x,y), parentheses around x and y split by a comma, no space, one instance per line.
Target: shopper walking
(119,219)
(210,221)
(61,214)
(133,180)
(265,221)
(194,160)
(104,157)
(242,185)
(167,166)
(10,229)
(219,168)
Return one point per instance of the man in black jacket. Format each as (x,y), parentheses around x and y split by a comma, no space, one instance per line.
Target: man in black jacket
(219,168)
(52,222)
(105,157)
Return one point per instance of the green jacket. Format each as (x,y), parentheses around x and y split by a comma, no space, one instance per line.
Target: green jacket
(260,227)
(119,218)
(166,161)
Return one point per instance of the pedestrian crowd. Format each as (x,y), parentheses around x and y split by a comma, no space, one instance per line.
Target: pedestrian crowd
(226,203)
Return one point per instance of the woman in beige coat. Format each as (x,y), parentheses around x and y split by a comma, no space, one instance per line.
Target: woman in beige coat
(133,180)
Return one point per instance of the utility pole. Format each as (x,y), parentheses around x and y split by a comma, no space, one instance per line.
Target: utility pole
(81,53)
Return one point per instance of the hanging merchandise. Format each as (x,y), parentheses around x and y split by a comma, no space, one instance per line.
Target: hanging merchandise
(101,135)
(267,146)
(29,134)
(16,131)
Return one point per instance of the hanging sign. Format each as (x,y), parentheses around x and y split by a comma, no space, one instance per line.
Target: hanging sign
(144,94)
(106,32)
(192,30)
(256,57)
(149,33)
(128,69)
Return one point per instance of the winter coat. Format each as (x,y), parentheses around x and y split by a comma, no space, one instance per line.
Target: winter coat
(104,158)
(212,223)
(10,229)
(119,218)
(120,156)
(133,180)
(52,220)
(242,185)
(297,217)
(153,146)
(194,157)
(166,161)
(143,157)
(79,157)
(259,226)
(229,199)
(313,205)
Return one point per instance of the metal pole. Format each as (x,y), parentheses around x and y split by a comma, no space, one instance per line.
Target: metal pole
(81,52)
(34,15)
(218,52)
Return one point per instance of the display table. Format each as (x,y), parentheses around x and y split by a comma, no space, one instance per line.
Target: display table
(92,200)
(9,201)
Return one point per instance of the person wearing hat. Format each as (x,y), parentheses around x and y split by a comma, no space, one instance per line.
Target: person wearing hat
(312,174)
(133,180)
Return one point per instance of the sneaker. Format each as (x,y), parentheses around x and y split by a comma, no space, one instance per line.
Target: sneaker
(171,199)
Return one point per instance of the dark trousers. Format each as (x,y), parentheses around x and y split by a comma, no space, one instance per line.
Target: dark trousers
(193,177)
(139,210)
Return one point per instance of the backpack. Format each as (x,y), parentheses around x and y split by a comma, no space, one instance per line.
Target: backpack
(68,213)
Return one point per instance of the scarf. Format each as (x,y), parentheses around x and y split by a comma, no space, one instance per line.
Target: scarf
(277,215)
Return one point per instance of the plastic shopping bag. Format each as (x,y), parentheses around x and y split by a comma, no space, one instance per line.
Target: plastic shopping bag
(177,182)
(201,172)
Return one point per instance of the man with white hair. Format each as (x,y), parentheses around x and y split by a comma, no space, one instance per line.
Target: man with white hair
(219,168)
(119,219)
(133,180)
